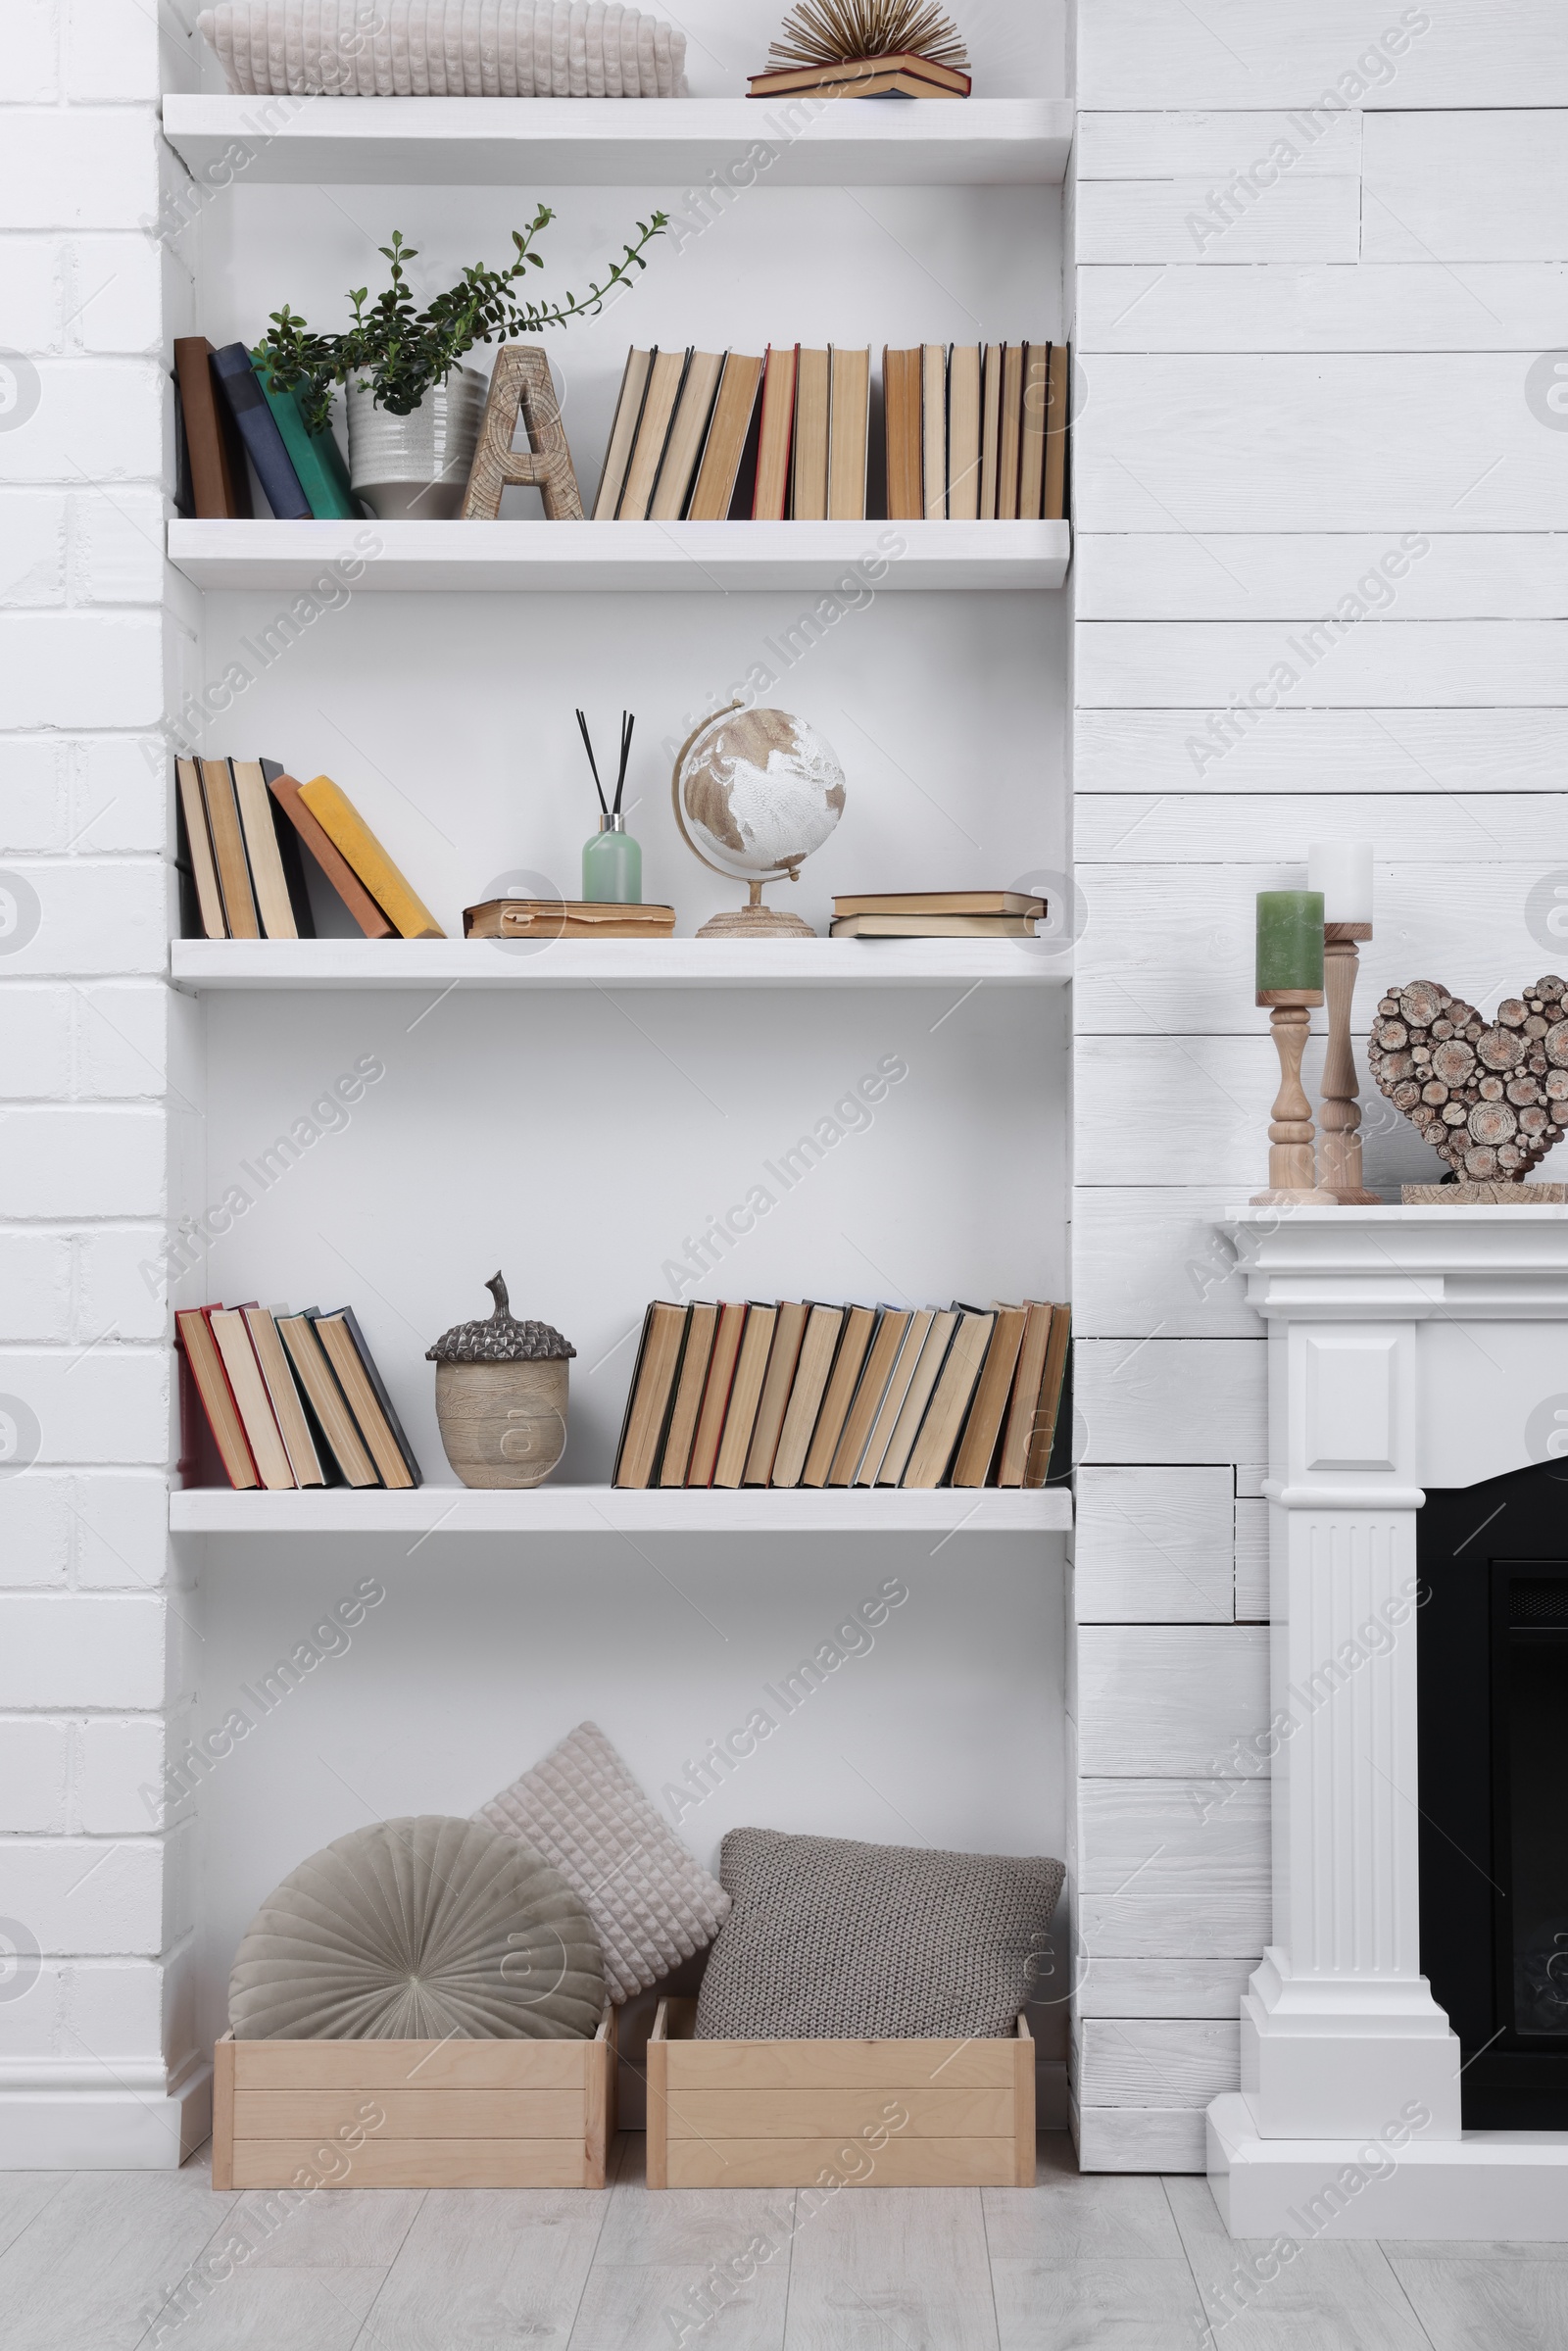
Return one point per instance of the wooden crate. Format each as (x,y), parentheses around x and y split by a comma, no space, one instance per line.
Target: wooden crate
(414,2112)
(865,2113)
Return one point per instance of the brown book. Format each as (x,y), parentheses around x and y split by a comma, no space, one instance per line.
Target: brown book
(229,849)
(935,926)
(934,432)
(1011,433)
(325,1399)
(941,902)
(964,432)
(286,790)
(789,1329)
(934,77)
(206,1362)
(891,1332)
(745,1396)
(982,1429)
(688,430)
(220,481)
(1032,446)
(848,433)
(648,1399)
(812,1374)
(990,429)
(249,1391)
(366,1398)
(352,837)
(666,373)
(770,496)
(622,435)
(932,1453)
(859,1326)
(901,401)
(913,1411)
(727,433)
(274,905)
(564,918)
(1053,505)
(1025,1393)
(199,841)
(721,1364)
(898,1388)
(284,1398)
(701,1321)
(1043,1435)
(809,463)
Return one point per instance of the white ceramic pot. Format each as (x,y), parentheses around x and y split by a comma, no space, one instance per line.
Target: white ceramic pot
(415,467)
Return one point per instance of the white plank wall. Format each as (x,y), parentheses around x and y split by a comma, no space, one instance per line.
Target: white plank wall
(1284,380)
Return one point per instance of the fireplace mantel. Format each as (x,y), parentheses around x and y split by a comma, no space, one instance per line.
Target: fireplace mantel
(1407,1346)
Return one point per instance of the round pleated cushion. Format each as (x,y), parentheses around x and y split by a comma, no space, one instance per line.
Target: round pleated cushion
(418,1929)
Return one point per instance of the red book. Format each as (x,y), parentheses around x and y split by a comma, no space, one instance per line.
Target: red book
(194,1327)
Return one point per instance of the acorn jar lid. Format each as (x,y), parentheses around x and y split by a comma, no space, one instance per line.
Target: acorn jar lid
(500,1338)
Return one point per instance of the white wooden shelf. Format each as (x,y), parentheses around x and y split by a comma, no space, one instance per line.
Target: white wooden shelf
(696,557)
(610,142)
(204,965)
(603,1509)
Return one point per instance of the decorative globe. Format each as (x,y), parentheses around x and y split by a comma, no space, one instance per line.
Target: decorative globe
(756,792)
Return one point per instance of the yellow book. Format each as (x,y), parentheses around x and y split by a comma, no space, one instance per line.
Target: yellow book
(354,840)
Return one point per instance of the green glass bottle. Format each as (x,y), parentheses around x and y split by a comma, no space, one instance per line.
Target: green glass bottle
(612,866)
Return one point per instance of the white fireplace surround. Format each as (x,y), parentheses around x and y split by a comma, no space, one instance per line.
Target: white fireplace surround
(1407,1346)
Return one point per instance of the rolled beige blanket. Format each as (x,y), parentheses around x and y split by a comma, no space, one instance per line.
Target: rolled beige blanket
(445,49)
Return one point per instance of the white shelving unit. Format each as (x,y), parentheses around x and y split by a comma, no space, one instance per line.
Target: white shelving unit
(688,558)
(608,142)
(207,966)
(605,1509)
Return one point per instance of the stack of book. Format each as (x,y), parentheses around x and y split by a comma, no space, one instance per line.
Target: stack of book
(564,918)
(901,75)
(978,432)
(242,823)
(939,914)
(226,411)
(689,423)
(289,1399)
(804,1395)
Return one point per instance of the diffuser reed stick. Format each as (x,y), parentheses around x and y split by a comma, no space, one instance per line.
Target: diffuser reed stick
(587,743)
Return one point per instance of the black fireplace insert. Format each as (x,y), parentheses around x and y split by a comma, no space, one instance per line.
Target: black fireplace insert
(1492,1668)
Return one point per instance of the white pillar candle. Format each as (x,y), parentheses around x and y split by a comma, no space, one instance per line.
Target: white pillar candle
(1343,872)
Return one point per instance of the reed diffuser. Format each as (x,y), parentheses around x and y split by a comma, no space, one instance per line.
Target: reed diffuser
(612,862)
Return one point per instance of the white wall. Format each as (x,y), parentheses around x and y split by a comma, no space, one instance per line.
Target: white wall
(1267,410)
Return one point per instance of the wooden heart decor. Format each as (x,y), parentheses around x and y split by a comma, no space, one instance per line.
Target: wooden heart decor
(1489,1096)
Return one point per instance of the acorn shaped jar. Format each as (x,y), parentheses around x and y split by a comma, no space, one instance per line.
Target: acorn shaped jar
(501,1396)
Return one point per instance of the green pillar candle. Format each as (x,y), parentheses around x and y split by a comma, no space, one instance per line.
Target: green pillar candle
(1290,943)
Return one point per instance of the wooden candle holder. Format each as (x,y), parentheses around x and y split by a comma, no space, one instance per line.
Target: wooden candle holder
(1338,1156)
(1292,1175)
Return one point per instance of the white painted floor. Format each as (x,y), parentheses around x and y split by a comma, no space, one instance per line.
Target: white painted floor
(106,2261)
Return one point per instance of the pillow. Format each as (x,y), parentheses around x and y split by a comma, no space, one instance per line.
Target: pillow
(840,1941)
(651,1903)
(444,48)
(418,1929)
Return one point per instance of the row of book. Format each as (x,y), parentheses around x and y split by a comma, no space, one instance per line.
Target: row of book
(805,1394)
(292,1399)
(243,826)
(228,409)
(939,914)
(977,432)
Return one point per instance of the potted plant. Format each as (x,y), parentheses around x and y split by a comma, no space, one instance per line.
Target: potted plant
(414,410)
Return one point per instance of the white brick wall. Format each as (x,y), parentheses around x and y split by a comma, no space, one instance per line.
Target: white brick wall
(94,1062)
(1252,433)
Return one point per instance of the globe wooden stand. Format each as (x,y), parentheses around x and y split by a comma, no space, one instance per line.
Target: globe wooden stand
(757,921)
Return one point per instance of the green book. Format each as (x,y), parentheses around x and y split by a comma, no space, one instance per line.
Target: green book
(314,456)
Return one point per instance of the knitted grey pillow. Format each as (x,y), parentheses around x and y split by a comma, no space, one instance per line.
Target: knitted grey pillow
(833,1941)
(419,1930)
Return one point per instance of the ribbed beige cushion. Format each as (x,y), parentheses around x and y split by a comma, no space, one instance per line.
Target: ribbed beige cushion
(834,1940)
(652,1904)
(416,1930)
